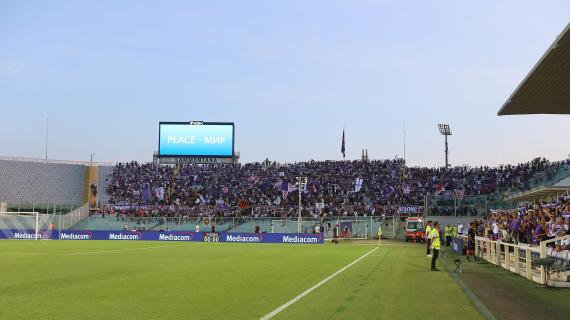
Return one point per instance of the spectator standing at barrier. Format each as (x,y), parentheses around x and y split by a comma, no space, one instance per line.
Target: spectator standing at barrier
(448,235)
(460,227)
(256,228)
(515,228)
(428,238)
(557,227)
(471,242)
(562,245)
(539,232)
(197,228)
(480,229)
(496,230)
(435,244)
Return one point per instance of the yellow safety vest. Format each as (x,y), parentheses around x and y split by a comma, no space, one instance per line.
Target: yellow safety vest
(448,231)
(454,230)
(379,230)
(435,241)
(428,231)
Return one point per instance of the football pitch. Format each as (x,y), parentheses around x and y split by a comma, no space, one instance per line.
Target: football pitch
(165,280)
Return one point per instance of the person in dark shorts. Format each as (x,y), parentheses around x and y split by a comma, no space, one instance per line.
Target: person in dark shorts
(471,242)
(335,234)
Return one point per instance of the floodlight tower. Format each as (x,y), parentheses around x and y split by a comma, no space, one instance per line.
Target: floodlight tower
(445,130)
(301,183)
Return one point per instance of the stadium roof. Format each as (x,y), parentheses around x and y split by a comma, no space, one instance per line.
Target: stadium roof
(546,89)
(539,193)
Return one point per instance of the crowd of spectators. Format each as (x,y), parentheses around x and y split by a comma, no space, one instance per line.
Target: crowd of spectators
(531,224)
(332,187)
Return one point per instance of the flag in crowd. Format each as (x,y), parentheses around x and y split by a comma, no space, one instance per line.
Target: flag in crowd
(459,193)
(253,179)
(358,184)
(221,204)
(440,188)
(292,187)
(285,189)
(146,192)
(159,193)
(406,188)
(343,147)
(200,198)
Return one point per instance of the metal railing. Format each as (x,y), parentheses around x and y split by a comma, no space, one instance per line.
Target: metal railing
(367,227)
(70,219)
(25,220)
(45,208)
(38,160)
(517,258)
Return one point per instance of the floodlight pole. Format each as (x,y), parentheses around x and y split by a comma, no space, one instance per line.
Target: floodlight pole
(446,153)
(300,187)
(445,130)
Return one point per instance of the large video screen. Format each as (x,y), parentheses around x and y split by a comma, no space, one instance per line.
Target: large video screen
(196,139)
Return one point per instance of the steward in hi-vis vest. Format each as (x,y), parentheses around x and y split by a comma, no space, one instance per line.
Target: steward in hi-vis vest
(428,239)
(448,235)
(435,244)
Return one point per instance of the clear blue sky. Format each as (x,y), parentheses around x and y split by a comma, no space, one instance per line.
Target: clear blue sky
(290,74)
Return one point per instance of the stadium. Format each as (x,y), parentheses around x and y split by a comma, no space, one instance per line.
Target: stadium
(205,226)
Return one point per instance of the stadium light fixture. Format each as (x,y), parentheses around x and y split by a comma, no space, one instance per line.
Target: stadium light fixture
(445,130)
(301,182)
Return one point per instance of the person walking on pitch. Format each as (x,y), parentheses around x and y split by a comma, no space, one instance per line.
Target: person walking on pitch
(379,233)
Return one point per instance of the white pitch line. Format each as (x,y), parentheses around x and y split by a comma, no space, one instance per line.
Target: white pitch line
(87,252)
(311,289)
(381,245)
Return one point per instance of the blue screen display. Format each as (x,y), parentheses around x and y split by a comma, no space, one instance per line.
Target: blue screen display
(196,140)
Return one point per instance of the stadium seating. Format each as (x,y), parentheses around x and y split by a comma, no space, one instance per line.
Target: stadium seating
(29,182)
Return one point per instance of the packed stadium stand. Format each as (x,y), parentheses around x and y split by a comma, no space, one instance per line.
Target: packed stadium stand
(29,181)
(344,188)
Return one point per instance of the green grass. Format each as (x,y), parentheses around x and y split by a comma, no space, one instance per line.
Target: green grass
(150,280)
(510,296)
